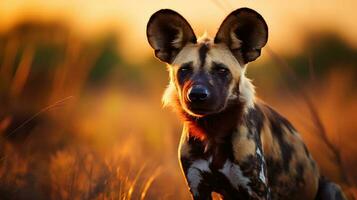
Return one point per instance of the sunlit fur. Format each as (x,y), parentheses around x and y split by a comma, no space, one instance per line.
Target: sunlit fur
(219,53)
(240,147)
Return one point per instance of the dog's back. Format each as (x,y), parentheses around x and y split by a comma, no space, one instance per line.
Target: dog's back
(292,172)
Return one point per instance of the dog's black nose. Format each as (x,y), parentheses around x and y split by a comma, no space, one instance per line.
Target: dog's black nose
(198,93)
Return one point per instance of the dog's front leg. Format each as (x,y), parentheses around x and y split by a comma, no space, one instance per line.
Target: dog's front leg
(194,166)
(253,176)
(195,175)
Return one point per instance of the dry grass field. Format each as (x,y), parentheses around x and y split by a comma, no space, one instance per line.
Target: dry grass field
(79,120)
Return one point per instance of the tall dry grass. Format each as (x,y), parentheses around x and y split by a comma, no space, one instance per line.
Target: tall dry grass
(67,134)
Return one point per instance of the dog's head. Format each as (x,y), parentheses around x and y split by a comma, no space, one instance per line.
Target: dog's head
(207,74)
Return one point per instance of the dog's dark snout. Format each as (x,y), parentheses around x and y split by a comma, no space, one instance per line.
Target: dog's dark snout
(198,93)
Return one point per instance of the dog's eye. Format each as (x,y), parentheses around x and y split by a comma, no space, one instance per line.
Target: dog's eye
(185,68)
(221,69)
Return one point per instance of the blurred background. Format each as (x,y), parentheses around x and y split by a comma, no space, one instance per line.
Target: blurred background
(80,90)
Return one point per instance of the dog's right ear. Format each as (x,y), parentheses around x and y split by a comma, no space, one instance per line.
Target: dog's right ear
(168,32)
(245,33)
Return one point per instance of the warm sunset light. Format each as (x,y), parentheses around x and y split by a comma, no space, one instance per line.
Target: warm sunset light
(81,115)
(289,20)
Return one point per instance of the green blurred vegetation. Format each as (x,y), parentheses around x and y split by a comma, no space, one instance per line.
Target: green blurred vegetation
(323,53)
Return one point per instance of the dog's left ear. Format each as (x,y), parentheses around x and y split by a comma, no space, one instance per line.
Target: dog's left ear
(168,32)
(245,33)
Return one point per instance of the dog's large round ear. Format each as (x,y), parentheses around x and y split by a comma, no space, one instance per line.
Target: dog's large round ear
(168,32)
(245,33)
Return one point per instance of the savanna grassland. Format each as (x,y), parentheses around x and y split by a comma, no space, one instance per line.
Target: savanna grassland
(79,121)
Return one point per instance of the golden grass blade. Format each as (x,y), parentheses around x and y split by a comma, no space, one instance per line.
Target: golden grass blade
(133,184)
(56,104)
(149,182)
(22,72)
(11,48)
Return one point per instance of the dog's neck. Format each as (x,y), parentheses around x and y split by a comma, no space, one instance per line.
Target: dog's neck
(215,127)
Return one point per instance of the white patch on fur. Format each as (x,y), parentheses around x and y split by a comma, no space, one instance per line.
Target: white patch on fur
(246,91)
(210,159)
(261,173)
(194,174)
(235,175)
(168,96)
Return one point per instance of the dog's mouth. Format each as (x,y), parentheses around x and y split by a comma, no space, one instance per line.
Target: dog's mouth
(201,109)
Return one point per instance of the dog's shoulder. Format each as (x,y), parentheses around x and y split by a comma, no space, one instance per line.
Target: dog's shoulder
(288,160)
(264,128)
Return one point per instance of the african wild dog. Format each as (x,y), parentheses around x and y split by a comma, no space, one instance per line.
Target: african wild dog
(231,143)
